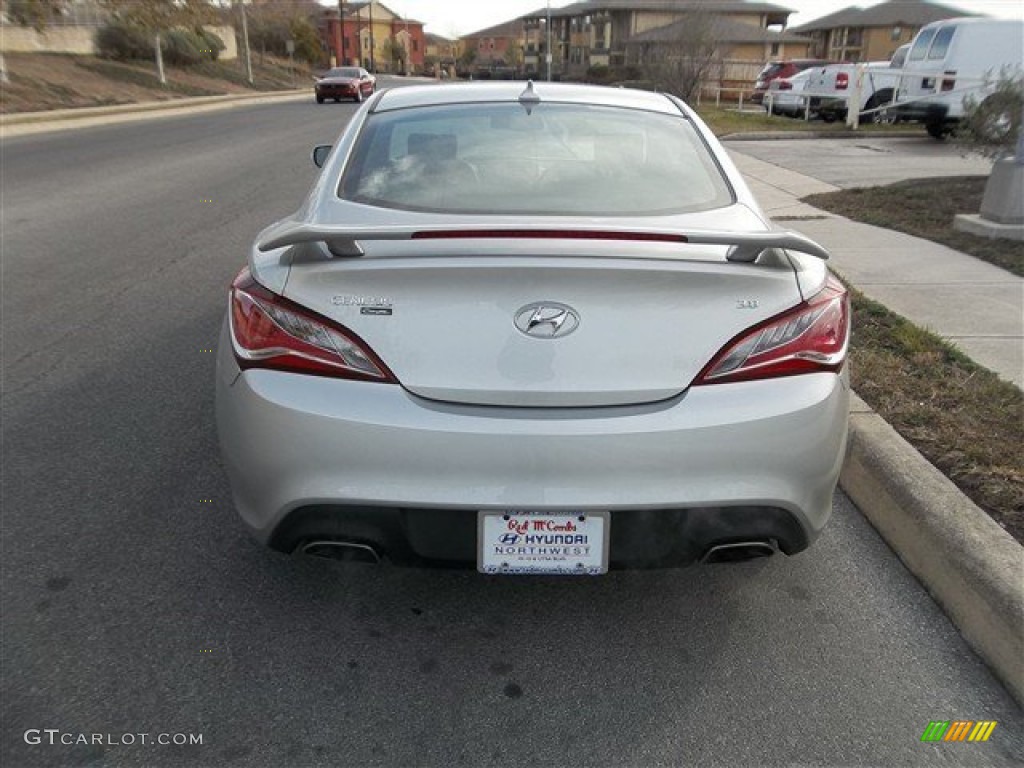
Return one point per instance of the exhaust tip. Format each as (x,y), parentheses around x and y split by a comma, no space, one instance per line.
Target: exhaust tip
(739,551)
(346,551)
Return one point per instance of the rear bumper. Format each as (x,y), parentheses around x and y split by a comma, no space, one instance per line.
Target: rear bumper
(794,106)
(311,457)
(925,112)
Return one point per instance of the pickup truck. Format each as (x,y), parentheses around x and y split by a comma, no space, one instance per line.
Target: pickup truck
(835,84)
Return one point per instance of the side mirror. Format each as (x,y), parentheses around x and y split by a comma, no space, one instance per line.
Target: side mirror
(320,153)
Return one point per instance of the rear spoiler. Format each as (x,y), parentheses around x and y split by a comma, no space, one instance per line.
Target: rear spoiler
(344,241)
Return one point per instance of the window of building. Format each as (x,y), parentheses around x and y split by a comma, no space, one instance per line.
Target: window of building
(775,49)
(897,32)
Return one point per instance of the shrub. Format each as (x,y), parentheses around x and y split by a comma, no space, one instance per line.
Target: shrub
(271,32)
(182,47)
(212,44)
(123,42)
(307,40)
(991,125)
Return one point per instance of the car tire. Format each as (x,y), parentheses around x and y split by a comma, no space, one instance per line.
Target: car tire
(937,130)
(877,100)
(319,99)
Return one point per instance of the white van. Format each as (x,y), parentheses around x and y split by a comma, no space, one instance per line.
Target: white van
(950,60)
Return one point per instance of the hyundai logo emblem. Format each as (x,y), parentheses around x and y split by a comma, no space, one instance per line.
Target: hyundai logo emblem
(547,320)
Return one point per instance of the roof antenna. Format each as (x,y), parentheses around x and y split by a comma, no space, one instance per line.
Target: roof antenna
(529,98)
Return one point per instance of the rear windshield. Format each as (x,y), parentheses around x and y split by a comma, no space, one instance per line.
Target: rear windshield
(551,159)
(770,70)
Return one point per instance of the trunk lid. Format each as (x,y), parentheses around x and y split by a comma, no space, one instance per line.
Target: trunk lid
(458,322)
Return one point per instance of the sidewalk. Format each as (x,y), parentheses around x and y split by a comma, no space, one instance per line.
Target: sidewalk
(973,304)
(970,566)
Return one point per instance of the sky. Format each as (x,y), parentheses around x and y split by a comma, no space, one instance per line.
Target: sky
(453,18)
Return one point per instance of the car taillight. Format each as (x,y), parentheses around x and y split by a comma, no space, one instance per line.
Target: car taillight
(948,84)
(842,81)
(811,337)
(269,331)
(785,85)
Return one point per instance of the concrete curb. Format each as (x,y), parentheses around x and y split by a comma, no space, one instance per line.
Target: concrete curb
(58,115)
(972,568)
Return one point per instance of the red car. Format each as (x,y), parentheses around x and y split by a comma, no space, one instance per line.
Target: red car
(776,69)
(345,83)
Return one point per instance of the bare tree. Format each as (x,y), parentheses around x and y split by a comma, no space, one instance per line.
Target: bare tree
(394,52)
(680,56)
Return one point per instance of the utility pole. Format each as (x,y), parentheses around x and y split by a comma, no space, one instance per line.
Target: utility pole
(406,65)
(341,25)
(245,42)
(159,60)
(547,46)
(1020,139)
(373,65)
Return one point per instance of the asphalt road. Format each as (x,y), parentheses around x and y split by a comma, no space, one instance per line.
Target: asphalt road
(134,602)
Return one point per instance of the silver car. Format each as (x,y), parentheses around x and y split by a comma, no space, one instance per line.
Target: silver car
(532,328)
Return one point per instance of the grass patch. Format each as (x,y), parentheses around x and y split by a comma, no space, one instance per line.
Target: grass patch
(269,73)
(963,418)
(135,75)
(925,208)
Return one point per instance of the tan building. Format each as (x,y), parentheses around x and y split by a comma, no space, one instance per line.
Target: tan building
(442,49)
(598,32)
(373,36)
(496,46)
(872,34)
(742,48)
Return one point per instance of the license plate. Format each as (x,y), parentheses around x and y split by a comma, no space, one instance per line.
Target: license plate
(527,542)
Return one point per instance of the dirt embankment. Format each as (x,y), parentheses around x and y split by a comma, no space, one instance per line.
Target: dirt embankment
(41,81)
